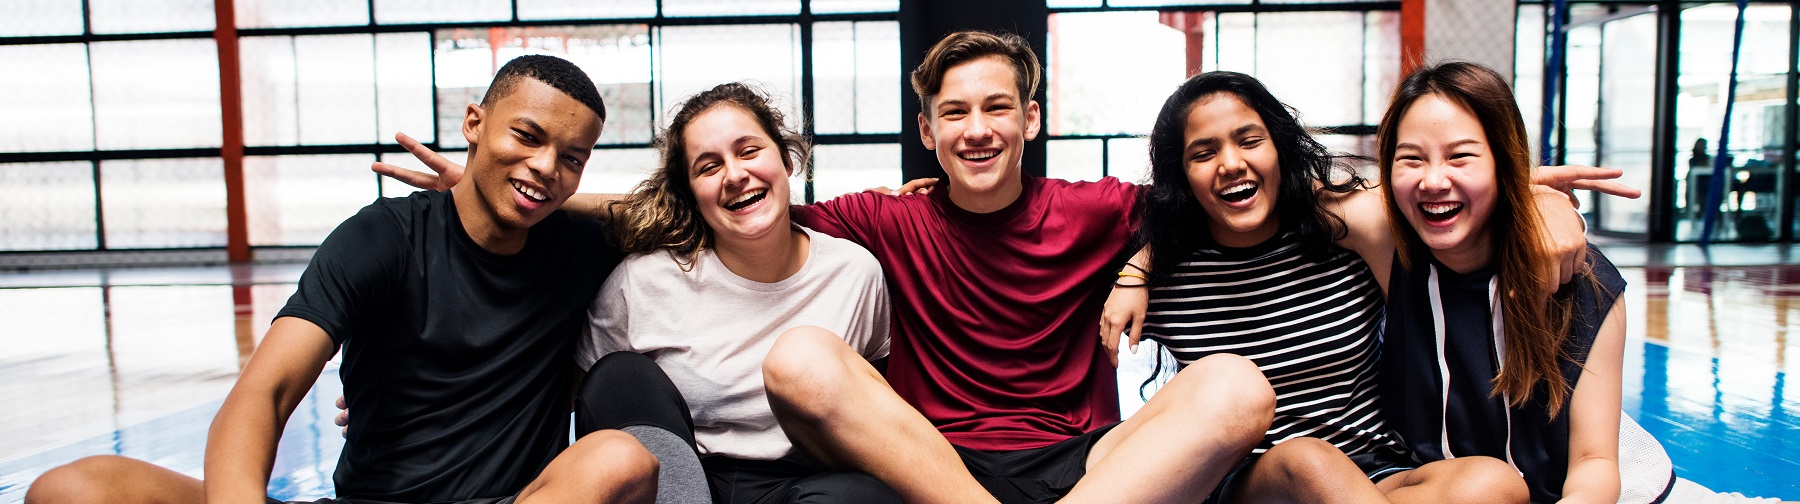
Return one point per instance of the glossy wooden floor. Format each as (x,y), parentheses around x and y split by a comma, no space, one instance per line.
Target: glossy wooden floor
(135,362)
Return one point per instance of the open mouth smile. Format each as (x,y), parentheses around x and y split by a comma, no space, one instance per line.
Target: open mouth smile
(1440,212)
(745,200)
(1238,192)
(530,193)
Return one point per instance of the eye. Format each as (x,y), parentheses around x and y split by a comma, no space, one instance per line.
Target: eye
(953,113)
(1462,155)
(1000,107)
(749,152)
(1251,142)
(1201,156)
(525,137)
(706,168)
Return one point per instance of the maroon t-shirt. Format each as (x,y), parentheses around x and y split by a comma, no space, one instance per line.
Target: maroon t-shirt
(996,316)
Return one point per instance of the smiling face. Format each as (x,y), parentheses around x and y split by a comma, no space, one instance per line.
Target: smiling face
(527,151)
(1232,169)
(738,173)
(978,125)
(1444,181)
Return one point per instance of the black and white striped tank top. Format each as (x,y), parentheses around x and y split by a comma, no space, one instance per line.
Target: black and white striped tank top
(1312,324)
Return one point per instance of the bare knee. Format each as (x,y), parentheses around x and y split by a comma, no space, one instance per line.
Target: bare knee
(805,363)
(617,457)
(86,480)
(1481,479)
(1304,459)
(1233,382)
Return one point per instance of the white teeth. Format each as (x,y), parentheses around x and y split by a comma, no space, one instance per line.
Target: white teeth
(744,197)
(1439,208)
(532,194)
(1243,186)
(980,156)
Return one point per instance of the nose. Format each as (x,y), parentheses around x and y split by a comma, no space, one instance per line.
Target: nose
(1435,179)
(543,163)
(733,174)
(979,130)
(1231,162)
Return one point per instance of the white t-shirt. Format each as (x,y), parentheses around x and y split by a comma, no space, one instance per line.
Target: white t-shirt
(709,330)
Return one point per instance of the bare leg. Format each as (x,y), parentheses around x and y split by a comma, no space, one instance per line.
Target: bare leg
(113,479)
(606,466)
(1463,479)
(1178,447)
(833,403)
(1306,470)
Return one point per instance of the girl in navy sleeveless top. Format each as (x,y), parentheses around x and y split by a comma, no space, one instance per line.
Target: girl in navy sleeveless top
(1478,360)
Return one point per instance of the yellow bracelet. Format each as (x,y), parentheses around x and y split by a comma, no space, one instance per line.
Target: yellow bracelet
(1123,274)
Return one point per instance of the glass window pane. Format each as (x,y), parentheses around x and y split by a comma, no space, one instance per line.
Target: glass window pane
(1381,63)
(297,200)
(163,203)
(691,59)
(838,6)
(60,114)
(24,18)
(151,94)
(1092,90)
(1236,47)
(1313,61)
(1748,205)
(150,16)
(403,80)
(336,84)
(1628,95)
(289,13)
(1128,159)
(1074,159)
(585,9)
(617,171)
(1071,3)
(856,72)
(729,7)
(47,206)
(844,169)
(1528,74)
(615,57)
(441,11)
(270,100)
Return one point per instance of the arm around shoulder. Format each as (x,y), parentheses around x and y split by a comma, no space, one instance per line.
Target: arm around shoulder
(1367,230)
(240,447)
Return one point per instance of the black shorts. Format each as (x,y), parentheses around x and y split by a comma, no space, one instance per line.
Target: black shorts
(1036,475)
(1377,464)
(496,500)
(797,478)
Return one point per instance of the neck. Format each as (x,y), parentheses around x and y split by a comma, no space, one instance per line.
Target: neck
(1233,239)
(987,202)
(480,226)
(1468,257)
(767,260)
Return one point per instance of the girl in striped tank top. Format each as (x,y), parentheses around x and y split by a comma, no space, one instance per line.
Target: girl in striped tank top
(1246,255)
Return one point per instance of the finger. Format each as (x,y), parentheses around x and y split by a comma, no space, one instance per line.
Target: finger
(1608,187)
(342,419)
(1109,340)
(1560,175)
(341,404)
(1137,331)
(417,179)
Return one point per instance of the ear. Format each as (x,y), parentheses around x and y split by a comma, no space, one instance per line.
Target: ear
(925,135)
(472,124)
(1032,120)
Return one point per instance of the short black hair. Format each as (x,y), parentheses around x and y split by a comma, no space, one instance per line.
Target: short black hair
(557,72)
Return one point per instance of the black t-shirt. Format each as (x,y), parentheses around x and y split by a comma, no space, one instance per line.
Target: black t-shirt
(456,361)
(1464,418)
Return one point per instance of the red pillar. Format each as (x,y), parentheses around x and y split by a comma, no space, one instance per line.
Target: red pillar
(231,114)
(1193,29)
(1412,35)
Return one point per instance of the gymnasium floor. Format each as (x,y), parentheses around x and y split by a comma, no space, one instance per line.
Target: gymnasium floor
(135,362)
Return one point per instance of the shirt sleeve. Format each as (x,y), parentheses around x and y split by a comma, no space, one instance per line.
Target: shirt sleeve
(609,320)
(853,216)
(355,274)
(873,323)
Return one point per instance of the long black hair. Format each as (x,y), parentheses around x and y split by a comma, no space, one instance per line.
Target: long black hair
(1172,221)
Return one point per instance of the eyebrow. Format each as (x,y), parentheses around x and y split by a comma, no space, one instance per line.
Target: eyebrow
(1451,145)
(996,96)
(1211,141)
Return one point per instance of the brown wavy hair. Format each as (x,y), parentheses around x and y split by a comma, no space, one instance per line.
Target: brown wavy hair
(661,213)
(1537,319)
(965,46)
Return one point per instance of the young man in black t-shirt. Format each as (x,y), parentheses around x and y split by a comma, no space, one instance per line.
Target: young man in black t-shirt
(457,313)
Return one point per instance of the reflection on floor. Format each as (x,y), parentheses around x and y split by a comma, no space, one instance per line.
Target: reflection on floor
(135,362)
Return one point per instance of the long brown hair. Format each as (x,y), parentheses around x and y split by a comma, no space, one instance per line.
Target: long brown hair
(1536,319)
(661,212)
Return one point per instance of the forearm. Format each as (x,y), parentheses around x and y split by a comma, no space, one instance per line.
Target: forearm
(1592,480)
(240,448)
(598,206)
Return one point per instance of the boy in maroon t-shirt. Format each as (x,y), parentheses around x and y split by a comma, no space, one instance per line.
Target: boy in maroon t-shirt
(997,281)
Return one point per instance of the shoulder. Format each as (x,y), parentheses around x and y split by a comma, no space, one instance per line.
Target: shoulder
(1606,276)
(1108,187)
(839,253)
